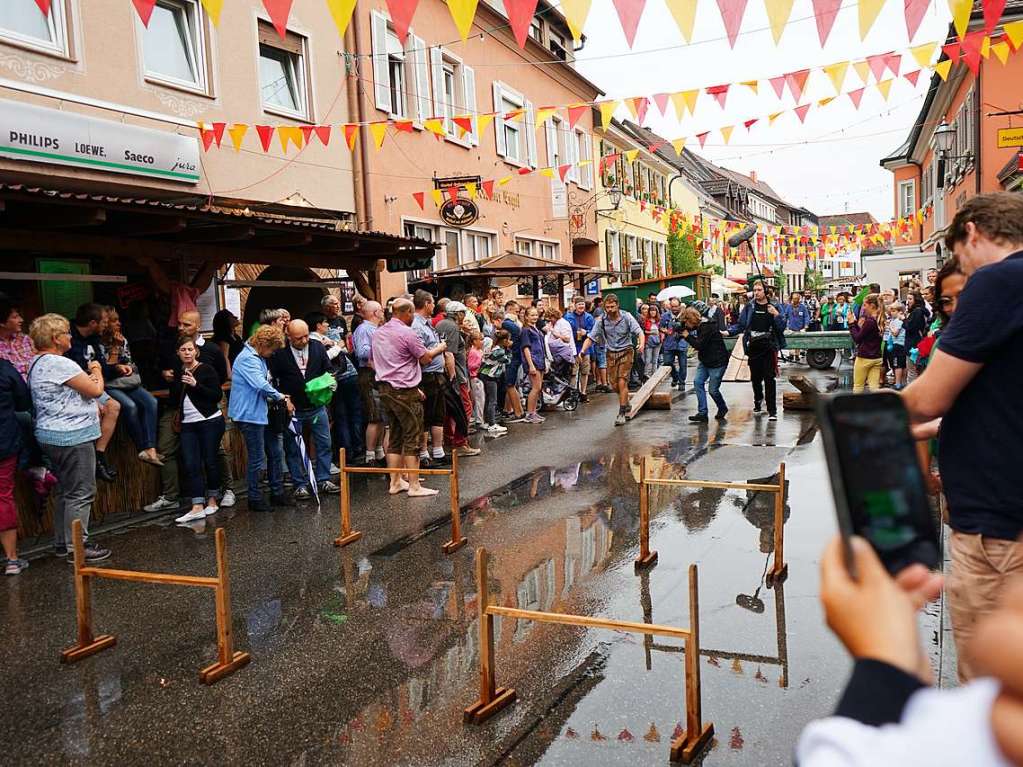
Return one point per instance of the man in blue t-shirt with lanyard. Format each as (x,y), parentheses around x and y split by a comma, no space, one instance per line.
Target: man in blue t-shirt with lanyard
(972,385)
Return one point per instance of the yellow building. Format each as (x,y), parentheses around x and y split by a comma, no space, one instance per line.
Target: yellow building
(632,205)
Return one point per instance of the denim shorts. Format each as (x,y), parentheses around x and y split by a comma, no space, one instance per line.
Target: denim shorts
(600,352)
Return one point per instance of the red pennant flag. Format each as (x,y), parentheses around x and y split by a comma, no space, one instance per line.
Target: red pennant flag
(655,146)
(797,82)
(525,171)
(279,11)
(992,14)
(640,104)
(322,133)
(607,160)
(702,138)
(307,131)
(778,83)
(563,170)
(750,123)
(893,61)
(218,132)
(876,64)
(465,123)
(732,12)
(145,10)
(452,193)
(661,100)
(855,97)
(207,139)
(971,49)
(720,92)
(575,111)
(419,198)
(520,16)
(351,132)
(912,76)
(801,112)
(952,52)
(824,12)
(915,10)
(401,16)
(44,6)
(488,188)
(266,134)
(629,12)
(405,126)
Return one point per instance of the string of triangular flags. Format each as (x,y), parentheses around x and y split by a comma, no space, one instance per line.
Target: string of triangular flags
(520,14)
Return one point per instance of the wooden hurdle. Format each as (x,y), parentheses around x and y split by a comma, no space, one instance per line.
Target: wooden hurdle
(648,558)
(228,661)
(493,698)
(350,536)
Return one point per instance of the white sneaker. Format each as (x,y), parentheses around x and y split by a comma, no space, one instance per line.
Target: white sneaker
(334,469)
(497,429)
(161,504)
(192,516)
(210,511)
(228,499)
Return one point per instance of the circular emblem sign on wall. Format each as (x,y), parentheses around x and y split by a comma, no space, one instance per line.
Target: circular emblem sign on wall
(459,212)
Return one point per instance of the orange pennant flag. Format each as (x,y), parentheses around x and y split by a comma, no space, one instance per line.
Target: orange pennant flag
(463,12)
(824,102)
(340,12)
(753,85)
(378,131)
(237,133)
(289,134)
(607,110)
(575,111)
(351,132)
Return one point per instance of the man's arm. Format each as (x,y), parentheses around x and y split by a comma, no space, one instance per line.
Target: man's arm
(930,396)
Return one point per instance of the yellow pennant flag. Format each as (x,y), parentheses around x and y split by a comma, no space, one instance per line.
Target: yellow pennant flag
(1014,31)
(438,196)
(607,110)
(237,133)
(753,85)
(684,100)
(943,68)
(289,134)
(869,9)
(543,114)
(471,189)
(679,144)
(378,130)
(435,125)
(341,12)
(631,155)
(837,72)
(985,47)
(463,12)
(504,180)
(863,70)
(483,122)
(772,117)
(214,7)
(885,86)
(684,13)
(1001,50)
(726,132)
(923,54)
(961,10)
(548,172)
(826,101)
(576,12)
(778,12)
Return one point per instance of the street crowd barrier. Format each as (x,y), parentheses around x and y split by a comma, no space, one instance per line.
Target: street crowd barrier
(228,661)
(351,536)
(648,558)
(493,698)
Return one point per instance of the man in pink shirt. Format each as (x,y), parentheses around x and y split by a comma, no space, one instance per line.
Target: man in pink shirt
(398,357)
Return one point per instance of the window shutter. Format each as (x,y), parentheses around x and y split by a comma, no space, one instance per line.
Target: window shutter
(586,171)
(552,142)
(530,130)
(469,93)
(499,121)
(608,250)
(416,53)
(437,69)
(572,155)
(381,75)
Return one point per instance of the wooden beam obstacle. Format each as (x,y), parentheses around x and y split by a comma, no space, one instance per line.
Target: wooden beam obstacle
(493,698)
(648,558)
(228,661)
(638,400)
(351,536)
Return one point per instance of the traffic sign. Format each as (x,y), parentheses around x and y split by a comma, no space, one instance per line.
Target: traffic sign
(1008,137)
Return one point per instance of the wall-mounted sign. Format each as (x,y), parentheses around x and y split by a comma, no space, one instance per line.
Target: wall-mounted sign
(1008,137)
(37,134)
(459,212)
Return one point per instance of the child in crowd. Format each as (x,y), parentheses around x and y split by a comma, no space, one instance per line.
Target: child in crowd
(895,344)
(492,374)
(474,359)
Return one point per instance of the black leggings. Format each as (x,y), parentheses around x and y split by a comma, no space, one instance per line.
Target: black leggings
(762,370)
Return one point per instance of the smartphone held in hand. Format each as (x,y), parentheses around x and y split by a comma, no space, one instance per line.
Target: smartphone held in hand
(875,478)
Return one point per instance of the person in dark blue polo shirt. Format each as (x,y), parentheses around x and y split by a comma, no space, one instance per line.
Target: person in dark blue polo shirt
(513,412)
(972,383)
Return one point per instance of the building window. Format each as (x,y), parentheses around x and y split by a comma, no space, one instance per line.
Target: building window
(556,42)
(397,87)
(907,198)
(477,246)
(613,254)
(525,247)
(422,232)
(173,46)
(452,248)
(548,250)
(282,74)
(22,22)
(516,138)
(536,30)
(585,176)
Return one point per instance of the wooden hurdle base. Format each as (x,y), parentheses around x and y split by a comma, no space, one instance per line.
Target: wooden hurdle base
(452,546)
(218,670)
(344,540)
(686,748)
(79,651)
(480,712)
(643,563)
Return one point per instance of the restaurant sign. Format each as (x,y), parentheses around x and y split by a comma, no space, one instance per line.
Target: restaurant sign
(37,134)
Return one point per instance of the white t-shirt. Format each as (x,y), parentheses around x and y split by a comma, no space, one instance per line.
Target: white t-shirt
(189,413)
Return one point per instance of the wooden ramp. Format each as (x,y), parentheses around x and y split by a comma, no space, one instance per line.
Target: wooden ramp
(639,398)
(738,365)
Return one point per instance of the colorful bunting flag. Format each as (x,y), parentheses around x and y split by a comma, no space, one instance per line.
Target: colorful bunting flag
(863,71)
(237,133)
(702,138)
(401,16)
(631,155)
(435,125)
(351,133)
(563,170)
(575,111)
(912,76)
(877,65)
(629,12)
(419,198)
(778,83)
(266,133)
(943,68)
(836,73)
(488,188)
(679,145)
(893,61)
(732,12)
(868,11)
(855,96)
(684,13)
(452,193)
(340,12)
(44,6)
(483,121)
(801,111)
(378,131)
(753,85)
(684,100)
(750,123)
(288,134)
(520,16)
(778,12)
(661,100)
(824,12)
(993,10)
(144,8)
(576,12)
(914,12)
(438,196)
(403,126)
(952,51)
(961,10)
(607,110)
(971,49)
(637,107)
(307,132)
(470,187)
(923,54)
(1014,31)
(206,137)
(885,87)
(1001,50)
(464,123)
(719,92)
(825,101)
(726,132)
(543,114)
(279,11)
(462,13)
(213,9)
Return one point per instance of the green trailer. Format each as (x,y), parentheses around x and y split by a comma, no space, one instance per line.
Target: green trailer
(821,347)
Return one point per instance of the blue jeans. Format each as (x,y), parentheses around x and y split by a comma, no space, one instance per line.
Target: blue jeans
(320,426)
(600,352)
(670,356)
(138,412)
(261,443)
(200,448)
(712,378)
(349,430)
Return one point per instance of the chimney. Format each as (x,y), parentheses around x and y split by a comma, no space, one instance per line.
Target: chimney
(753,176)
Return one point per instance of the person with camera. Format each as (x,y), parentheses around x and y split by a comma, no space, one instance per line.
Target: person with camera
(673,347)
(762,326)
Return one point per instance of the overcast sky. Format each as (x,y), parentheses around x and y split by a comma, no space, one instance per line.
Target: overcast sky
(830,163)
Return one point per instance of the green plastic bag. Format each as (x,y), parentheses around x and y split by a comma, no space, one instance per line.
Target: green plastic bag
(321,389)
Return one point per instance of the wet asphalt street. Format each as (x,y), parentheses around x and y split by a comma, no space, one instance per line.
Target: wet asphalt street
(367,655)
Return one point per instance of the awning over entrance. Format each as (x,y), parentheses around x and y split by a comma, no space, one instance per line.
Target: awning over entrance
(194,230)
(512,265)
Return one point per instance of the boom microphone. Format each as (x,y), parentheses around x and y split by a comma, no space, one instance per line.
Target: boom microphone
(742,236)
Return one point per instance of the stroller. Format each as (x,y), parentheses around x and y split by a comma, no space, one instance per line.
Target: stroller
(559,387)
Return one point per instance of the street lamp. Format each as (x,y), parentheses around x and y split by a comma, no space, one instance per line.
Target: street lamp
(944,135)
(615,195)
